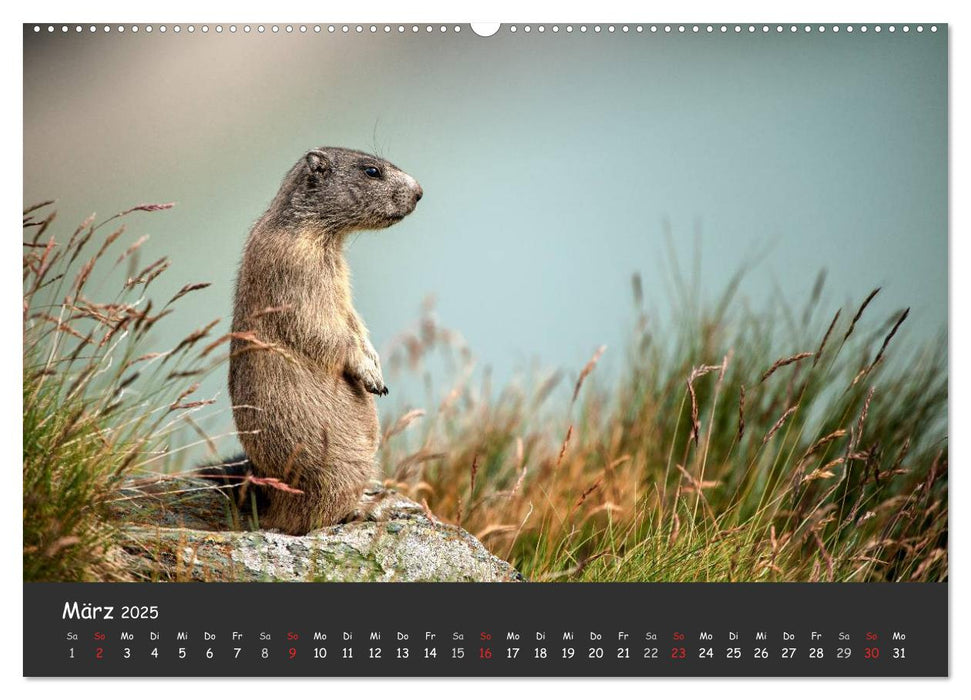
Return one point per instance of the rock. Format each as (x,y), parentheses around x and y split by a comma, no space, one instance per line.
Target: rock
(176,528)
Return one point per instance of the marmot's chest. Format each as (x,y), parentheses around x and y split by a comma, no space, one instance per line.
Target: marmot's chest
(327,303)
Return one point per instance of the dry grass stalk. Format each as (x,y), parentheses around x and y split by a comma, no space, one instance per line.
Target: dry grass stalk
(820,443)
(697,373)
(779,423)
(587,369)
(403,470)
(268,310)
(891,334)
(195,336)
(863,414)
(494,529)
(131,249)
(822,344)
(566,442)
(473,471)
(271,482)
(187,289)
(403,422)
(859,313)
(784,362)
(741,413)
(824,472)
(587,492)
(547,387)
(827,557)
(697,486)
(145,207)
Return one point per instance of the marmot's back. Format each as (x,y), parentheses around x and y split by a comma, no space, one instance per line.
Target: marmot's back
(302,369)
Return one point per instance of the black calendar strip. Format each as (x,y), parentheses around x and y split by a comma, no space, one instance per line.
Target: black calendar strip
(309,629)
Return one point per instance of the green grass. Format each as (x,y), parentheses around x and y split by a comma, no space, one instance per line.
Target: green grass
(711,457)
(98,404)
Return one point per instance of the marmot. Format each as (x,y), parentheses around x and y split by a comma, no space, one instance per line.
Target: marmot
(304,407)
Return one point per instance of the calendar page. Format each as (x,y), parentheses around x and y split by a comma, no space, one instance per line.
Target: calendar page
(546,349)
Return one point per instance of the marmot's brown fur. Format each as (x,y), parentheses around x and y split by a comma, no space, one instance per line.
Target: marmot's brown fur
(304,407)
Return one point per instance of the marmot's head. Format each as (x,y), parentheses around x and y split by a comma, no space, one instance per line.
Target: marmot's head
(345,190)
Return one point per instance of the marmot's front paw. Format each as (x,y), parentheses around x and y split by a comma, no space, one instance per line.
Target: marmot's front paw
(380,390)
(365,367)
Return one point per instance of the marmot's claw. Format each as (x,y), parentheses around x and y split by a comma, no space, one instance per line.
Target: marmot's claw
(366,368)
(379,391)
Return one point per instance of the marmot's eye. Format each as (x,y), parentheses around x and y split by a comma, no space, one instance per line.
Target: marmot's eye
(371,171)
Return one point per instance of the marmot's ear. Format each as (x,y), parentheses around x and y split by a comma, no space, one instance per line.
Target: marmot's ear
(318,162)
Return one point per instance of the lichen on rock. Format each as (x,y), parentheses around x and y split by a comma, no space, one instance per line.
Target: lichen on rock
(178,528)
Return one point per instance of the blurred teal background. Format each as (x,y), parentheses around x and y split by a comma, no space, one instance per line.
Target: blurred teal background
(551,165)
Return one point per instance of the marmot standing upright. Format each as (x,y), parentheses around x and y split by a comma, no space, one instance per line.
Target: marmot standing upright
(304,407)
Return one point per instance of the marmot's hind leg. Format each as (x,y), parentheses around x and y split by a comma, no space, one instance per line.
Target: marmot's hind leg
(322,503)
(287,512)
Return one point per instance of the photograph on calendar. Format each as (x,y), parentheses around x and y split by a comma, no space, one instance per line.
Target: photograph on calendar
(410,303)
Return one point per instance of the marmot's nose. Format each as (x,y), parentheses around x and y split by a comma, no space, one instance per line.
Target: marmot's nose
(419,193)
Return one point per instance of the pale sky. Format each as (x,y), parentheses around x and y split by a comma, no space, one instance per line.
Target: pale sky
(550,164)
